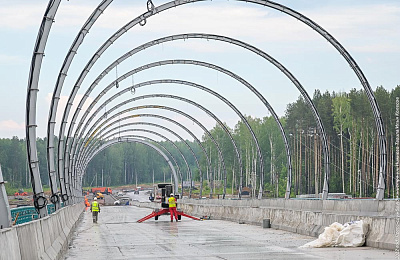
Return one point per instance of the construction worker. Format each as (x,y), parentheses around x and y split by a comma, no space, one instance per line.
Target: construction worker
(95,209)
(87,204)
(172,207)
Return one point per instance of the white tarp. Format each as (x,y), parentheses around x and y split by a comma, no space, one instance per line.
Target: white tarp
(351,234)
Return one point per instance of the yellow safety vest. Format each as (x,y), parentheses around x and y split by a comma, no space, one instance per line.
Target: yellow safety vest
(172,202)
(95,206)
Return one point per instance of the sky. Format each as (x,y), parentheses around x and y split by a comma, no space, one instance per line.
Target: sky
(368,29)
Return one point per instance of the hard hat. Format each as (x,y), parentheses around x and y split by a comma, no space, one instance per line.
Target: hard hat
(171,195)
(95,198)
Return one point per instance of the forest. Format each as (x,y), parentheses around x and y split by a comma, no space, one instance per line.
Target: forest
(352,143)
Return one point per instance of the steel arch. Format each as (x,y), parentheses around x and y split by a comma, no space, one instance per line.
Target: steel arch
(219,97)
(75,138)
(170,109)
(176,111)
(99,130)
(57,91)
(99,141)
(150,140)
(119,140)
(197,63)
(241,44)
(164,107)
(31,100)
(32,153)
(80,157)
(214,67)
(158,134)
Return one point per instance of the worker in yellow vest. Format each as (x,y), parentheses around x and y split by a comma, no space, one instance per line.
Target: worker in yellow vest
(95,209)
(172,207)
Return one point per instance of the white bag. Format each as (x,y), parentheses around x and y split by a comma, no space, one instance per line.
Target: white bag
(328,237)
(352,235)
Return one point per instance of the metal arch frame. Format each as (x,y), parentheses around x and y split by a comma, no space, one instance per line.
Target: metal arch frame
(82,151)
(163,147)
(222,99)
(169,109)
(256,51)
(187,83)
(294,80)
(89,148)
(31,100)
(158,134)
(119,140)
(229,73)
(148,139)
(56,96)
(32,151)
(197,63)
(144,130)
(101,138)
(209,113)
(75,138)
(80,157)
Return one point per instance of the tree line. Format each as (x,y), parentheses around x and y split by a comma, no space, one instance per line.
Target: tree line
(352,143)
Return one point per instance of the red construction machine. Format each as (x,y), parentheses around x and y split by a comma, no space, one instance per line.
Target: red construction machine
(161,193)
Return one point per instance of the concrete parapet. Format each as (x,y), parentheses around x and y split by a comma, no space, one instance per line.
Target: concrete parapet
(307,217)
(45,238)
(9,246)
(30,240)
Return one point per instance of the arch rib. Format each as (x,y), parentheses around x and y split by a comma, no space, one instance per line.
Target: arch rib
(80,154)
(197,63)
(219,97)
(119,140)
(308,22)
(158,134)
(97,144)
(150,140)
(75,138)
(254,50)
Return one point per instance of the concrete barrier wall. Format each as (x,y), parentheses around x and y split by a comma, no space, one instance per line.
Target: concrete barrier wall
(307,217)
(45,238)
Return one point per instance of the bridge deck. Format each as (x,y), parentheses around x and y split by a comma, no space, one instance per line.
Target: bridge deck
(117,235)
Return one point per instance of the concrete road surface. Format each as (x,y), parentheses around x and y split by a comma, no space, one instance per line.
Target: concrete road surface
(117,235)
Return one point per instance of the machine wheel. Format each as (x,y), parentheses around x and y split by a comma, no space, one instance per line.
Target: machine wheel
(156,217)
(179,217)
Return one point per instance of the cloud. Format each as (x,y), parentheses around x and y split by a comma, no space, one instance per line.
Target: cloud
(352,23)
(10,60)
(10,128)
(21,16)
(11,124)
(29,15)
(234,20)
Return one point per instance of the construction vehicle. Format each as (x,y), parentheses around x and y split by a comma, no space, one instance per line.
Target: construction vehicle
(161,193)
(99,195)
(103,190)
(21,192)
